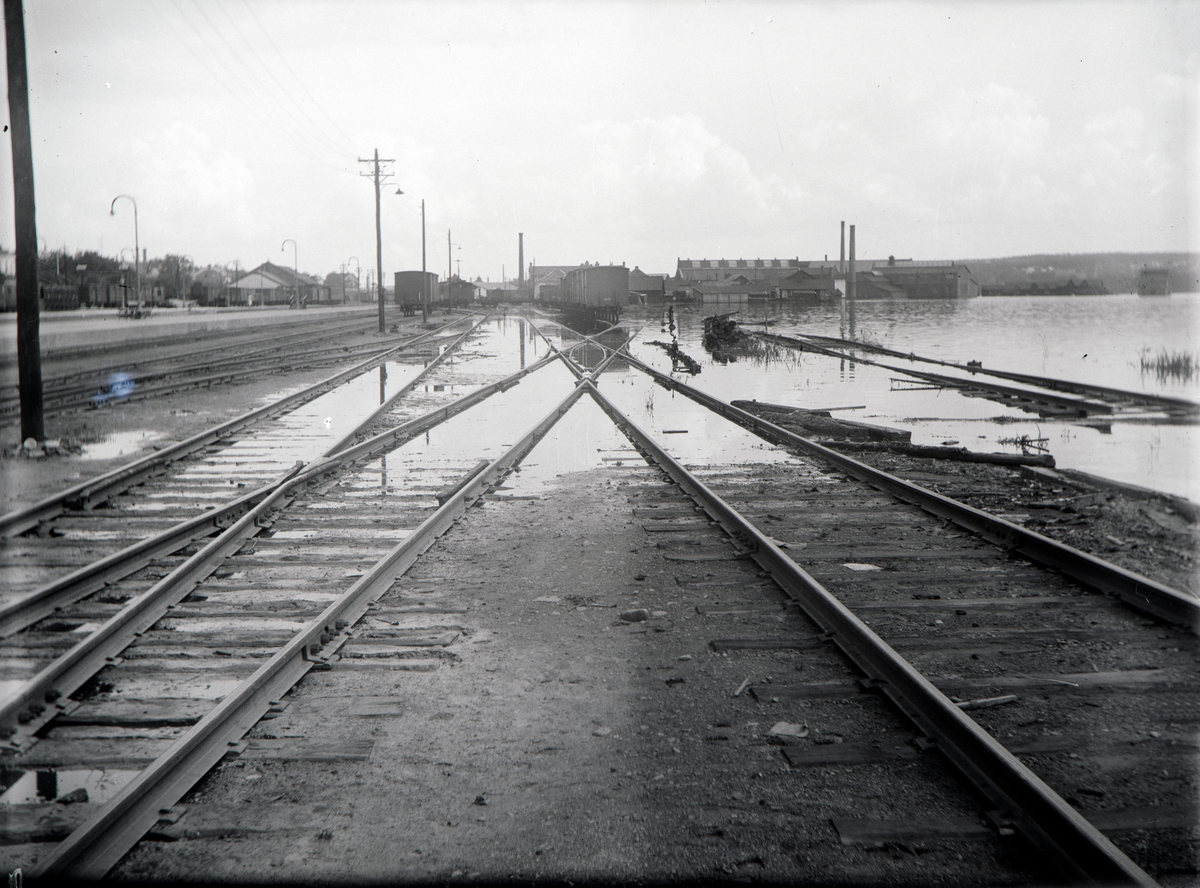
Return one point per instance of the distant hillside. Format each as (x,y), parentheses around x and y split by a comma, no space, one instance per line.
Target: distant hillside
(1117,271)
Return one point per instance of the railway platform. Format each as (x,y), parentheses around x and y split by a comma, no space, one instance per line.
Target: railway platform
(72,329)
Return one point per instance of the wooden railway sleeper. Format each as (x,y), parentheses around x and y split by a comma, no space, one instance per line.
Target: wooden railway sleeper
(1083,854)
(92,849)
(1142,593)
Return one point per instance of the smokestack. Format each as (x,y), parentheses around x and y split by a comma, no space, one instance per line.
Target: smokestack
(850,287)
(521,261)
(842,261)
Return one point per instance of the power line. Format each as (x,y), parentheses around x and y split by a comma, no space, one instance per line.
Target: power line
(337,127)
(266,92)
(309,121)
(255,105)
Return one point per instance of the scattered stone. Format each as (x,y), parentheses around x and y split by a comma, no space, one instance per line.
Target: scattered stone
(787,729)
(551,599)
(637,615)
(987,703)
(479,800)
(75,795)
(601,732)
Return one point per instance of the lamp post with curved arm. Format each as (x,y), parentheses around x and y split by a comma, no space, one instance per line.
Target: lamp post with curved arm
(137,269)
(295,266)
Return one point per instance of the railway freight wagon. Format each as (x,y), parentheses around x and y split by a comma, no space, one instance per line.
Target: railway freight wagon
(413,286)
(595,293)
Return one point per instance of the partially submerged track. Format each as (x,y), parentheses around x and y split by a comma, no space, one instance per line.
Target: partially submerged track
(844,540)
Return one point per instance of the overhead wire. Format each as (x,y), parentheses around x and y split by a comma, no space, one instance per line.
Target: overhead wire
(266,94)
(283,58)
(309,121)
(256,106)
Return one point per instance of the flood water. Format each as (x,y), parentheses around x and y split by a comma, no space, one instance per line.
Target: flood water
(1099,340)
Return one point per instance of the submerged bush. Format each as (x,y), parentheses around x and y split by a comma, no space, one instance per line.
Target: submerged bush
(1167,365)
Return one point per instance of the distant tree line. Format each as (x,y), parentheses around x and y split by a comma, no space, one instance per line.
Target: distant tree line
(1117,272)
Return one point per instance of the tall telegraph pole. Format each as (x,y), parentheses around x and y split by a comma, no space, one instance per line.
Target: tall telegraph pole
(377,160)
(424,274)
(29,353)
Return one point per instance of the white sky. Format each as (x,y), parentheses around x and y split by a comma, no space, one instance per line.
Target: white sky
(605,131)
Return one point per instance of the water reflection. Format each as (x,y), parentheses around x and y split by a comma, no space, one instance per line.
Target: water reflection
(35,787)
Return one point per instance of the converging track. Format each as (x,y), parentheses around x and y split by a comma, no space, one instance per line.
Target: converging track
(907,615)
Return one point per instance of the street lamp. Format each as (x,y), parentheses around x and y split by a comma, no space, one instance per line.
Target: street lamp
(137,271)
(295,265)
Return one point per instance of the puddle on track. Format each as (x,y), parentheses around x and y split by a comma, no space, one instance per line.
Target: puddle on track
(120,444)
(38,787)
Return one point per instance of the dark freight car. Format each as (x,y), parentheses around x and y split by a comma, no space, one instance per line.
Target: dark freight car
(412,287)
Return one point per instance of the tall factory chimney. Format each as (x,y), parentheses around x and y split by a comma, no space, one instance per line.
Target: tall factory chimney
(520,261)
(842,261)
(850,284)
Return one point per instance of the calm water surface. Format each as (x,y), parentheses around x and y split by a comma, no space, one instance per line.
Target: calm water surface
(1097,340)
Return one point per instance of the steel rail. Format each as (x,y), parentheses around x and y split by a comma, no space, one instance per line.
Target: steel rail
(251,346)
(99,843)
(1144,594)
(1168,403)
(83,395)
(46,599)
(1081,852)
(36,702)
(352,436)
(51,355)
(88,493)
(1084,408)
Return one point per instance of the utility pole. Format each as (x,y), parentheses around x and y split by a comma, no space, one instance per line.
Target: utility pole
(424,274)
(29,350)
(449,268)
(378,231)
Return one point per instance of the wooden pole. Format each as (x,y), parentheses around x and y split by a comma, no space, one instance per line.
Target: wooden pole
(29,353)
(378,247)
(424,274)
(851,286)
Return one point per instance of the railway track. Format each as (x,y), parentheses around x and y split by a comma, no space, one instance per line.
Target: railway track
(847,551)
(217,609)
(98,491)
(138,376)
(908,614)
